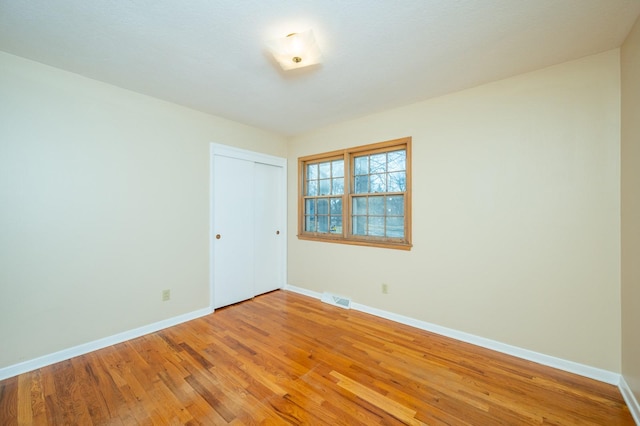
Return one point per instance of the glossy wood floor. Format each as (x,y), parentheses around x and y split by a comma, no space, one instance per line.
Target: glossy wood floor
(283,358)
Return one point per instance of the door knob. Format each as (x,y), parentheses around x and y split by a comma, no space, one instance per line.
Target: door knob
(277,232)
(218,236)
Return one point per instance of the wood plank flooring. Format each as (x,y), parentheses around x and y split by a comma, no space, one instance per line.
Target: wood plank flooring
(283,358)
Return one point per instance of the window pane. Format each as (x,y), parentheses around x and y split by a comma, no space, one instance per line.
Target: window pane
(376,226)
(359,225)
(336,206)
(323,206)
(336,224)
(361,165)
(362,184)
(395,205)
(337,168)
(397,182)
(376,206)
(397,161)
(310,224)
(312,188)
(378,183)
(323,224)
(325,186)
(395,227)
(359,205)
(378,163)
(325,170)
(337,187)
(312,171)
(310,207)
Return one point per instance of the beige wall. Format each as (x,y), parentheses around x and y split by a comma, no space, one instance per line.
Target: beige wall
(630,67)
(104,197)
(516,213)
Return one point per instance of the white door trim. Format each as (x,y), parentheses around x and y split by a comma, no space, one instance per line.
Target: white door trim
(257,157)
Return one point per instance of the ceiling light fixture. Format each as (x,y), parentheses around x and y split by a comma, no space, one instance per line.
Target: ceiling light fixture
(297,50)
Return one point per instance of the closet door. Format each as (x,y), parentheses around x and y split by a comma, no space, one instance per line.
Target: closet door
(269,228)
(233,229)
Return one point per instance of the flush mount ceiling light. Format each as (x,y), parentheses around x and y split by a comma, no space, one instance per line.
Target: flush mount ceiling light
(297,50)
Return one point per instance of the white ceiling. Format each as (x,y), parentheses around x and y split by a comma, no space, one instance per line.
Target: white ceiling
(210,54)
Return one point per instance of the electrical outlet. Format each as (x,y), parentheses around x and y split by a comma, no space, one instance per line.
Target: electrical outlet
(166,295)
(385,288)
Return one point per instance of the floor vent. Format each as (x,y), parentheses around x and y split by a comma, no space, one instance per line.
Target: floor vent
(340,301)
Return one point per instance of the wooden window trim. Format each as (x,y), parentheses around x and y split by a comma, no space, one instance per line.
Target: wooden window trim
(346,237)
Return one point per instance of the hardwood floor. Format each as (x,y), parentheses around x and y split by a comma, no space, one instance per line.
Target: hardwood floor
(283,358)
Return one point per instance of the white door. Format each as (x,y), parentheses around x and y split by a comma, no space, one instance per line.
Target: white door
(269,229)
(233,229)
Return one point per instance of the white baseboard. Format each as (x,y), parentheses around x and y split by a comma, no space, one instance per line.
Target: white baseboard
(65,354)
(630,399)
(550,361)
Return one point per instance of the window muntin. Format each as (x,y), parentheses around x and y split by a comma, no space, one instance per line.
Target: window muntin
(379,182)
(322,209)
(360,195)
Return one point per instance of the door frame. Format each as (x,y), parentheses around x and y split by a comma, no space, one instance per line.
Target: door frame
(216,149)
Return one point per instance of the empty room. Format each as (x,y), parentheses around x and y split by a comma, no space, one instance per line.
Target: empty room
(420,212)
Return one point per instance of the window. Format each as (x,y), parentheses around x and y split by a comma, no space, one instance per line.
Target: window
(359,195)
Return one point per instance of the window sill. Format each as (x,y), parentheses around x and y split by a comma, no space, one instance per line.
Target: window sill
(358,242)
